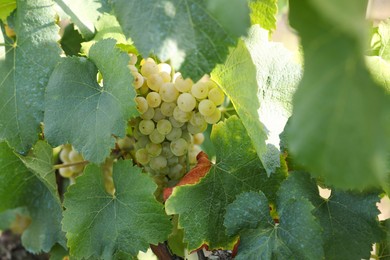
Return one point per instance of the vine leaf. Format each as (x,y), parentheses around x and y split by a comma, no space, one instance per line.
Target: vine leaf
(201,206)
(296,236)
(101,225)
(206,29)
(348,219)
(339,129)
(238,74)
(6,7)
(22,187)
(263,12)
(384,245)
(25,67)
(83,113)
(84,14)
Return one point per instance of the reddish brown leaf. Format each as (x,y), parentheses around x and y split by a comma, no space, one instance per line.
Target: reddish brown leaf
(200,170)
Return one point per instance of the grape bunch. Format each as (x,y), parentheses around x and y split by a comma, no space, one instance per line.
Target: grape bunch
(174,114)
(73,162)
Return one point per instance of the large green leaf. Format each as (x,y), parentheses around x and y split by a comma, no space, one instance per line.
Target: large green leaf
(201,207)
(24,72)
(263,12)
(101,225)
(384,246)
(194,34)
(339,130)
(349,220)
(84,13)
(296,236)
(6,7)
(21,187)
(84,113)
(237,77)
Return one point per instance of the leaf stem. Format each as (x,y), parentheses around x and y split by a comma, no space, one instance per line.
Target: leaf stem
(64,165)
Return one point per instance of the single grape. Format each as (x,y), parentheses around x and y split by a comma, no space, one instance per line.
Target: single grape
(200,90)
(183,85)
(74,156)
(158,163)
(142,104)
(138,80)
(146,127)
(167,108)
(133,59)
(165,76)
(154,82)
(77,168)
(64,154)
(166,150)
(168,92)
(149,67)
(132,68)
(181,116)
(65,172)
(186,102)
(125,143)
(174,134)
(175,123)
(186,136)
(164,67)
(206,107)
(173,160)
(176,172)
(217,96)
(142,142)
(154,149)
(214,117)
(143,90)
(154,99)
(142,156)
(158,115)
(197,119)
(195,129)
(156,137)
(149,114)
(198,138)
(164,126)
(179,147)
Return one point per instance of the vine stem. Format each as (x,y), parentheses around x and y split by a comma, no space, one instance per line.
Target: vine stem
(64,165)
(162,252)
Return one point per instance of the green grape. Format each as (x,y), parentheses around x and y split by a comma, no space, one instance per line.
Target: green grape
(173,160)
(214,117)
(174,134)
(146,127)
(197,119)
(164,126)
(142,156)
(206,107)
(142,142)
(186,136)
(183,85)
(166,150)
(138,80)
(200,90)
(181,116)
(64,154)
(186,102)
(77,168)
(158,115)
(168,92)
(74,156)
(148,115)
(176,172)
(217,96)
(132,68)
(179,147)
(125,143)
(133,59)
(164,67)
(193,151)
(65,172)
(167,108)
(175,123)
(154,149)
(158,163)
(142,104)
(156,137)
(195,129)
(154,82)
(143,90)
(154,99)
(166,77)
(149,67)
(198,138)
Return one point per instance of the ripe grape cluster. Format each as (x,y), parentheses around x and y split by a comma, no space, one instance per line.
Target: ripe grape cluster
(174,114)
(73,162)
